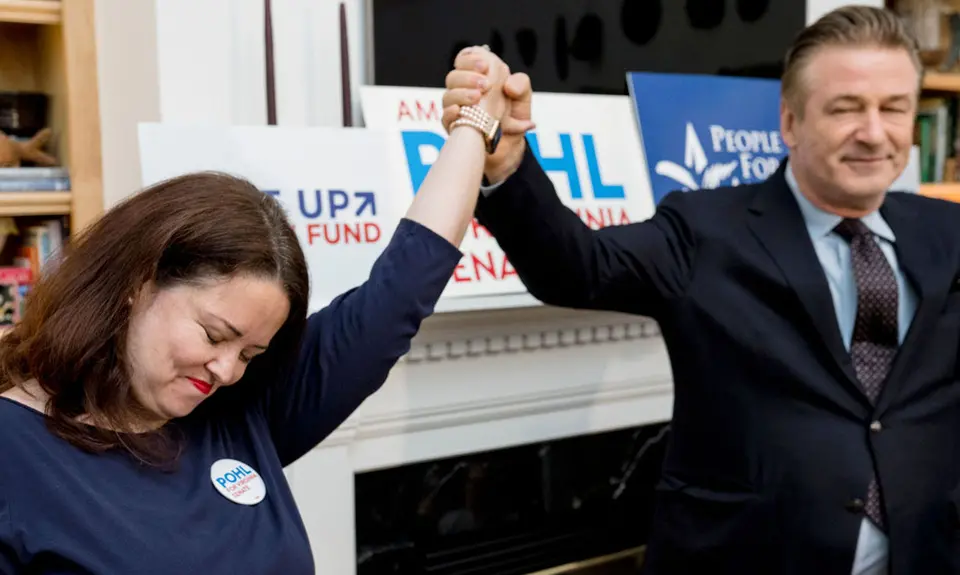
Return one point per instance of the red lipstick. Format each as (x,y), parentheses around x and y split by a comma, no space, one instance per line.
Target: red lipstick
(204,387)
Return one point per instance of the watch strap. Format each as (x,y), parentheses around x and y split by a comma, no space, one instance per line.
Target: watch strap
(479,119)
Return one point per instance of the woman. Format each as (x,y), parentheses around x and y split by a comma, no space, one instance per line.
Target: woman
(165,373)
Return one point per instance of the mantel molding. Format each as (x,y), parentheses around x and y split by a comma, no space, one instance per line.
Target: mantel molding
(478,334)
(492,409)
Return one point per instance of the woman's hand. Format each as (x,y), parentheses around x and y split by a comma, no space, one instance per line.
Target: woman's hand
(477,80)
(471,82)
(448,195)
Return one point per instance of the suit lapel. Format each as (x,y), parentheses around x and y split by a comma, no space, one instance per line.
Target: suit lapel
(917,257)
(778,224)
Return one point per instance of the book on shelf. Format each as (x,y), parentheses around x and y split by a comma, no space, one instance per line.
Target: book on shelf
(30,179)
(14,284)
(35,251)
(935,134)
(39,246)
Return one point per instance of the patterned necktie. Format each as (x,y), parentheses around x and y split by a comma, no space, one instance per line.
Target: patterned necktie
(875,334)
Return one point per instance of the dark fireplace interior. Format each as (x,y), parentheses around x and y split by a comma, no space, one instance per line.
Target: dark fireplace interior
(514,511)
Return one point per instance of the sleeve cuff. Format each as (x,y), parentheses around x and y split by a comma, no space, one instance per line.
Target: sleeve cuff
(487,190)
(435,250)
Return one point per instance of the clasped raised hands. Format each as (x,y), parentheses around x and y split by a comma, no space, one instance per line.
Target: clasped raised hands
(481,78)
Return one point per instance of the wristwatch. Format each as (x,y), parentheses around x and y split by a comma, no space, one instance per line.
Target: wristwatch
(477,118)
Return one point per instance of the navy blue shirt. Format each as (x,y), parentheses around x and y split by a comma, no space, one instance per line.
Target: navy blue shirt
(64,511)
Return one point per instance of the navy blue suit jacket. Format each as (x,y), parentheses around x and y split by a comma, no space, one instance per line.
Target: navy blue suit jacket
(773,441)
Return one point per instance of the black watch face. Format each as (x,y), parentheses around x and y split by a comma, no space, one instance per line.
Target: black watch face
(492,146)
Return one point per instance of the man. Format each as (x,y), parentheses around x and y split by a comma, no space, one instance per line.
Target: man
(813,322)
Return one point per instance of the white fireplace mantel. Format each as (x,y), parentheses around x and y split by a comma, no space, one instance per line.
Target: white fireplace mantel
(478,381)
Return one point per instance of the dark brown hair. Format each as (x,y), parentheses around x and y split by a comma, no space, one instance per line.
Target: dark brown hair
(847,26)
(72,338)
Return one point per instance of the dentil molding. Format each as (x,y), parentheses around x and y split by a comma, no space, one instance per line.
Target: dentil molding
(489,333)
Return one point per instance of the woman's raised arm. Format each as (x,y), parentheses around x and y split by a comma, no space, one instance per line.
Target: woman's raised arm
(351,345)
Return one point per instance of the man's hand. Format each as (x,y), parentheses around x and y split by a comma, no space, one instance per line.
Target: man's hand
(470,82)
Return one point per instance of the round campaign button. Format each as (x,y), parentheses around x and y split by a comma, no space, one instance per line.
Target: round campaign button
(238,482)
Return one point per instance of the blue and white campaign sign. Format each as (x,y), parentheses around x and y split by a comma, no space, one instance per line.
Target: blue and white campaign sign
(343,212)
(703,132)
(588,146)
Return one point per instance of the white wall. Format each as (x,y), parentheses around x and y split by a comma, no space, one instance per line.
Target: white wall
(210,60)
(129,88)
(307,56)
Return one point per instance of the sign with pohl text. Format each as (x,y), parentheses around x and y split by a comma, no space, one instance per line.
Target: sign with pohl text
(587,145)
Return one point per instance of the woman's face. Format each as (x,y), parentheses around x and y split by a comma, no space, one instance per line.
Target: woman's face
(187,341)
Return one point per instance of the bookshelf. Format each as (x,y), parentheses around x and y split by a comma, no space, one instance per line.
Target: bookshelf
(48,80)
(944,84)
(930,23)
(49,46)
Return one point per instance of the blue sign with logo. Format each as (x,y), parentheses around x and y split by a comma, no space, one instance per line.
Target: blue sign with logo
(704,132)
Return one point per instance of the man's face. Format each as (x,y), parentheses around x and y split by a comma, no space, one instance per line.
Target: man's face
(853,137)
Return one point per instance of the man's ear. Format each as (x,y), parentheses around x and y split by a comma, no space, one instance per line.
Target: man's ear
(788,123)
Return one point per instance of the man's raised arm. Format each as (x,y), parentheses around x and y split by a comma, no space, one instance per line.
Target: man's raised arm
(630,268)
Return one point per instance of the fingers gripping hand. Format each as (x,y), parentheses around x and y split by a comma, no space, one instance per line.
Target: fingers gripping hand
(477,78)
(480,78)
(517,119)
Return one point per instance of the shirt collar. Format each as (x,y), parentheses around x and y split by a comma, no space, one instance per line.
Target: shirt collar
(820,223)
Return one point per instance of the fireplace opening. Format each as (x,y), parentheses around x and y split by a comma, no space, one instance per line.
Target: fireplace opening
(579,505)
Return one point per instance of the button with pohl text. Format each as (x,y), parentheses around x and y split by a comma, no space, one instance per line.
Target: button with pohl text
(876,427)
(237,481)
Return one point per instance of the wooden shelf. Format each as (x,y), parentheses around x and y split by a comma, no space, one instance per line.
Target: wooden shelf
(35,203)
(30,11)
(940,82)
(945,191)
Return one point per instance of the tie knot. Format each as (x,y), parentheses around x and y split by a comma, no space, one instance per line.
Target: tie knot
(850,228)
